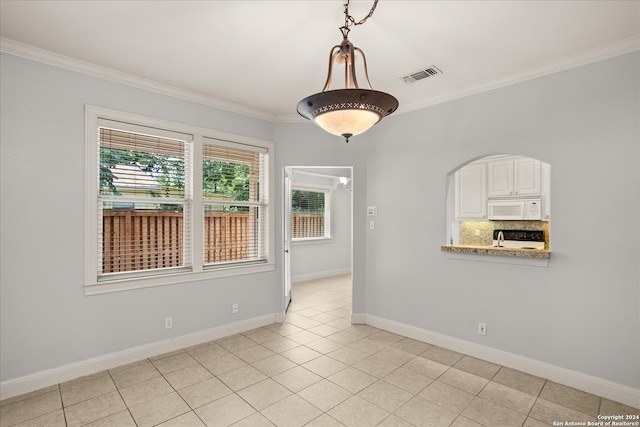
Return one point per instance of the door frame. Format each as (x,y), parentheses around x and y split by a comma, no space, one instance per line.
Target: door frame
(287,180)
(288,174)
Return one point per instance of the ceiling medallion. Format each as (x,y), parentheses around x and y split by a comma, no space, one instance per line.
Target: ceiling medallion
(352,110)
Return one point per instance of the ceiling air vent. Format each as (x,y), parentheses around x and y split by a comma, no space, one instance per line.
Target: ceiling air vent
(422,74)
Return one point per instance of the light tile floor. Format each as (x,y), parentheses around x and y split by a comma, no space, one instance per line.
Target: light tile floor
(314,370)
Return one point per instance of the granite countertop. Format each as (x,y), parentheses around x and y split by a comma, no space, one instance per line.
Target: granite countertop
(491,250)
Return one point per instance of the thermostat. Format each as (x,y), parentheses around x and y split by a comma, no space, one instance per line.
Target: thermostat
(372,211)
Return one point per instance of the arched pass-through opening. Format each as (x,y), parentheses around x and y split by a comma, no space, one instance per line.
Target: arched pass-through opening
(499,193)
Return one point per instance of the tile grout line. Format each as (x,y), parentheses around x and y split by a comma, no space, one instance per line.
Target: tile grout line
(121,397)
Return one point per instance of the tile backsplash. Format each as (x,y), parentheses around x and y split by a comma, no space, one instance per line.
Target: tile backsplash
(468,230)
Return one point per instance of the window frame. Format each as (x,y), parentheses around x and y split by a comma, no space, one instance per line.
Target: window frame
(197,271)
(114,131)
(328,232)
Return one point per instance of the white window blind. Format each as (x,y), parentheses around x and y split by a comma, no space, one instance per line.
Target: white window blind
(144,214)
(310,213)
(235,201)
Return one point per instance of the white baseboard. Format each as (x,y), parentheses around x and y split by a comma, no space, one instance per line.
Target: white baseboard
(358,318)
(600,387)
(38,380)
(320,275)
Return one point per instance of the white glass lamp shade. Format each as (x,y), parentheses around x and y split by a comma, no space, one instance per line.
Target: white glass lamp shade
(347,112)
(347,122)
(352,110)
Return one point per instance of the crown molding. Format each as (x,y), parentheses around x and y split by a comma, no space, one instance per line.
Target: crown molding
(47,57)
(583,58)
(566,63)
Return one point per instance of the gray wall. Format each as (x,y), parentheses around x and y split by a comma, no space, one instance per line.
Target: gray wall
(46,319)
(579,313)
(302,144)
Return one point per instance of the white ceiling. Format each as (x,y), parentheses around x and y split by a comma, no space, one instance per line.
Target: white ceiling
(261,57)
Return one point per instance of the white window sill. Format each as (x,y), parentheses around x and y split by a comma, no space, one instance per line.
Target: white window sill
(311,241)
(130,283)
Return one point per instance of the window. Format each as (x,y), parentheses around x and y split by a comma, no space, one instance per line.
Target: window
(234,211)
(310,217)
(168,203)
(142,204)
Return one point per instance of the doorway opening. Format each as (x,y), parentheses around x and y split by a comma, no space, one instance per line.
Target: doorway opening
(317,225)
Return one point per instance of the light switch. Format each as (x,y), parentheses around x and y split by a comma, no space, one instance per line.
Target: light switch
(371,225)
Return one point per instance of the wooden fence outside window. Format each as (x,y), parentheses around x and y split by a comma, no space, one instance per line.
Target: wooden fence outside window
(307,225)
(143,240)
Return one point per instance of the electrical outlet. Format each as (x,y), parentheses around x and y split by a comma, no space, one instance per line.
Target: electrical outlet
(482,328)
(477,233)
(234,308)
(168,322)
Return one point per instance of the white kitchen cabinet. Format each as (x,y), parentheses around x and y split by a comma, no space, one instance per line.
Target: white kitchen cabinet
(500,177)
(514,176)
(527,176)
(471,191)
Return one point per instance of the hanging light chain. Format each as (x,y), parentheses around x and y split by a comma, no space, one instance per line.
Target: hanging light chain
(349,20)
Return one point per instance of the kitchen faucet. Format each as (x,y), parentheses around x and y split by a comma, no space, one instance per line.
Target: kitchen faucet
(500,238)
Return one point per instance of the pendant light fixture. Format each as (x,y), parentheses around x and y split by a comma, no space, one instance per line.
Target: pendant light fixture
(352,110)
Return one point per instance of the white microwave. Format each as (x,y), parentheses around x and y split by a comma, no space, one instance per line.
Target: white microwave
(529,208)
